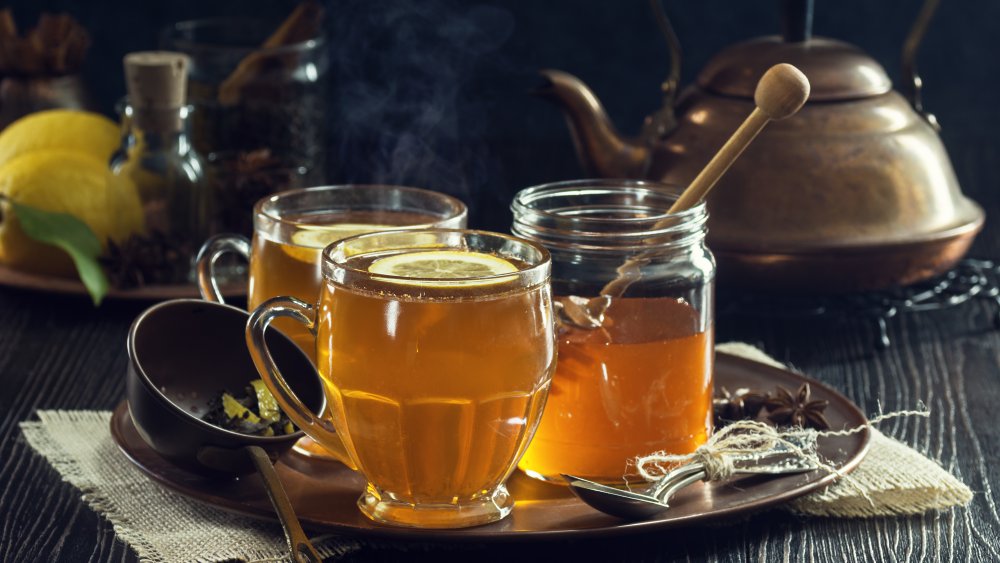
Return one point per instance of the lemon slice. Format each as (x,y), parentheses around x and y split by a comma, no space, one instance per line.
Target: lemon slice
(322,236)
(461,268)
(307,243)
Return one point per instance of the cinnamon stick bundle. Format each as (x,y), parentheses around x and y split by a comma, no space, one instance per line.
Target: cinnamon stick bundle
(56,46)
(301,25)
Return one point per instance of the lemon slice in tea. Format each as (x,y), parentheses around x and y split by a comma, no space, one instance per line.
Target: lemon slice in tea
(454,265)
(320,237)
(307,243)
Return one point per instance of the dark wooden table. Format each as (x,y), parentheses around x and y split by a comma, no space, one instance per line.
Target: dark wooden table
(60,353)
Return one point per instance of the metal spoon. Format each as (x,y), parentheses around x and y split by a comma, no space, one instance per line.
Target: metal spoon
(655,499)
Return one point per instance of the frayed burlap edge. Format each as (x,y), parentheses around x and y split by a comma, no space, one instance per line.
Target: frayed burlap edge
(893,479)
(160,525)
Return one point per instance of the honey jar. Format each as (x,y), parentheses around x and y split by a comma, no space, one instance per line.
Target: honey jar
(641,381)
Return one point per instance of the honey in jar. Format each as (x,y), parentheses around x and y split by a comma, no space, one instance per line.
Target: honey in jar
(641,381)
(639,384)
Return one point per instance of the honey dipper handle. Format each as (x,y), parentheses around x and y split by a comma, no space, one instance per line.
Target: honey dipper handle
(780,93)
(710,174)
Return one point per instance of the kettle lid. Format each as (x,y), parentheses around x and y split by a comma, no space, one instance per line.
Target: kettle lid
(836,70)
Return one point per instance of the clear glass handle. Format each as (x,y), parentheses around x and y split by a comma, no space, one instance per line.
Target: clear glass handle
(209,253)
(315,427)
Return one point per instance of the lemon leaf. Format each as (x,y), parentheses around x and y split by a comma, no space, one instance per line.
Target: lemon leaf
(70,234)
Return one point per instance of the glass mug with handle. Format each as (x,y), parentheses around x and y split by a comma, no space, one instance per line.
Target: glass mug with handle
(436,350)
(291,229)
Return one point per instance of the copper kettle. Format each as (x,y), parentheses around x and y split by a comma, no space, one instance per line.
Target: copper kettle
(856,192)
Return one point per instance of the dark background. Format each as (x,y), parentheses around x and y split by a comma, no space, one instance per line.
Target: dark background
(59,352)
(471,66)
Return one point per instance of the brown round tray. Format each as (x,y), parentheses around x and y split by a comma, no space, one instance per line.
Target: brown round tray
(325,493)
(69,286)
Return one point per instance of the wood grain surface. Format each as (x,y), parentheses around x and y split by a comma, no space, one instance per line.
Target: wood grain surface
(57,352)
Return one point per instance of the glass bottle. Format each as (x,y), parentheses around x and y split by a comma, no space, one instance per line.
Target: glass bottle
(157,158)
(642,381)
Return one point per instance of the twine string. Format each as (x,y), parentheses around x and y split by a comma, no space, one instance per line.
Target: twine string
(759,443)
(717,466)
(745,440)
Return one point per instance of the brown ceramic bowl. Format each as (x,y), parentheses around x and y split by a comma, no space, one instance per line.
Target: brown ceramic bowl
(185,352)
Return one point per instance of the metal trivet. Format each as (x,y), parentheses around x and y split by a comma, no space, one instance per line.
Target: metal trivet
(970,278)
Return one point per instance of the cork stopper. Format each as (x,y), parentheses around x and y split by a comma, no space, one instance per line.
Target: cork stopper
(156,79)
(157,87)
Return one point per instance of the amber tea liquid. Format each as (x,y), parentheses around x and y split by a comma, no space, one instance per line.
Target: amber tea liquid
(433,390)
(290,268)
(641,383)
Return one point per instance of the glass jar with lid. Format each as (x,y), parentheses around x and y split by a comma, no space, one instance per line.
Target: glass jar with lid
(641,381)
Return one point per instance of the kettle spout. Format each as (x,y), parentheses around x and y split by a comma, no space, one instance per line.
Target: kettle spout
(600,148)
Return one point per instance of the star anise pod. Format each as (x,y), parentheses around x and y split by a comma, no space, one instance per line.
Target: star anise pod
(740,404)
(243,178)
(786,409)
(141,260)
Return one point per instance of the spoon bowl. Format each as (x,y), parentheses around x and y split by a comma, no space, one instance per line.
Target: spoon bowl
(654,499)
(627,505)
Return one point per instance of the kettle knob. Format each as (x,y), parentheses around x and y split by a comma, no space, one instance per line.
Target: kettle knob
(781,91)
(796,20)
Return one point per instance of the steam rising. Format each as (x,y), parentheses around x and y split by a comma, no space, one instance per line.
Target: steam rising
(403,107)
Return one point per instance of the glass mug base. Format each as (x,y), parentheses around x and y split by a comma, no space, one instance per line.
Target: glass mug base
(476,512)
(552,479)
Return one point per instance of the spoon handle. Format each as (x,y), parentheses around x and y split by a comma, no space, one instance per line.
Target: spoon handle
(681,477)
(664,495)
(299,544)
(674,476)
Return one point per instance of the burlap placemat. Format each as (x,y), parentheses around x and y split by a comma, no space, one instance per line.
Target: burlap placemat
(159,524)
(163,526)
(893,479)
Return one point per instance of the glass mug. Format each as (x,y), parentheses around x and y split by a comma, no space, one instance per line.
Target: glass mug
(642,382)
(292,228)
(435,385)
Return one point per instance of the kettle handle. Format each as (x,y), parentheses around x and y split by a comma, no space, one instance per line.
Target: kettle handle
(673,46)
(663,122)
(912,81)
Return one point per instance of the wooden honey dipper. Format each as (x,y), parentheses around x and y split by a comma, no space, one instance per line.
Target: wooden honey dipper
(780,93)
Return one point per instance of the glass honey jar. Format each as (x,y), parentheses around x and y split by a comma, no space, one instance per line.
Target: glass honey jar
(640,382)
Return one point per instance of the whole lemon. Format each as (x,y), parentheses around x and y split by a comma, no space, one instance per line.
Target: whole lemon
(64,181)
(66,129)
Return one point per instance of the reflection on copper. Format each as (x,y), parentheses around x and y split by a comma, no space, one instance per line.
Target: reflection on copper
(870,74)
(894,118)
(699,116)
